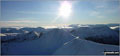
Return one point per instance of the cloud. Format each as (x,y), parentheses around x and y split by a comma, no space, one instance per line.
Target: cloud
(36,12)
(100,6)
(20,21)
(29,12)
(96,14)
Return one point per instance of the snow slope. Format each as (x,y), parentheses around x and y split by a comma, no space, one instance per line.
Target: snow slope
(46,44)
(20,37)
(11,30)
(97,32)
(83,47)
(21,30)
(116,28)
(20,34)
(93,31)
(38,29)
(40,41)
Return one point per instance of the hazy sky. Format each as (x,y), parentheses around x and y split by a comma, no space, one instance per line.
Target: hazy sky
(39,13)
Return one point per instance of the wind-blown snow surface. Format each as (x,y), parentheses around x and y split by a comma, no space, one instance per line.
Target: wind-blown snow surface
(84,47)
(46,44)
(116,28)
(40,41)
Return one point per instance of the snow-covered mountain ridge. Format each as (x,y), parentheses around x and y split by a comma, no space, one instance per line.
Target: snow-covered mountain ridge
(97,33)
(78,40)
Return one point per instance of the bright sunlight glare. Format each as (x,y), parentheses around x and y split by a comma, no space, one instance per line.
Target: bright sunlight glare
(65,9)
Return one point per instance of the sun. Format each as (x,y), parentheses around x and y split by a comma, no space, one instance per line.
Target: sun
(65,9)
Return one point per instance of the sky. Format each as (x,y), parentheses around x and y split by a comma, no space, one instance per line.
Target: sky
(42,13)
